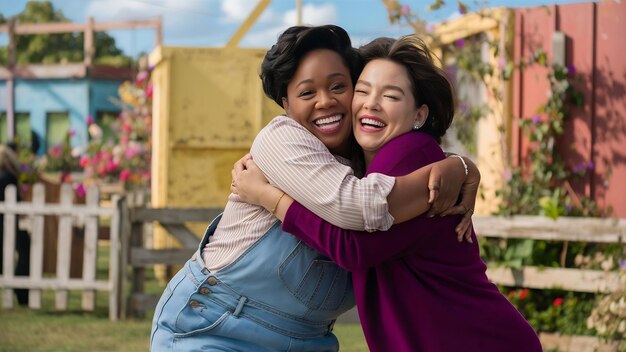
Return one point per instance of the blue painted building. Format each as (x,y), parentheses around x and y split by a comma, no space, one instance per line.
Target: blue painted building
(50,107)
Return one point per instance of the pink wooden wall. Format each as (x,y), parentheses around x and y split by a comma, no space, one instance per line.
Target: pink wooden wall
(596,133)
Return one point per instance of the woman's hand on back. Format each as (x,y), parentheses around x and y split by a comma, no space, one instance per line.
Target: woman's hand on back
(250,184)
(447,184)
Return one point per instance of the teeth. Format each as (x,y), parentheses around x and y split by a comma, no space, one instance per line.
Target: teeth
(328,120)
(372,122)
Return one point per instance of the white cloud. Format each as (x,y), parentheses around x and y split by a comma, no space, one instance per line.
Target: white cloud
(311,15)
(126,10)
(236,10)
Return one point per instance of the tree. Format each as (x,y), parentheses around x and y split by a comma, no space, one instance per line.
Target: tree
(58,48)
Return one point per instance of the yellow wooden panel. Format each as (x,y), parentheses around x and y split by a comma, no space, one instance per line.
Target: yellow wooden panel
(208,107)
(216,97)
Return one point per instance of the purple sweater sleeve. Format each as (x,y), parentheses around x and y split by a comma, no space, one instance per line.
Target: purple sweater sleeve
(358,250)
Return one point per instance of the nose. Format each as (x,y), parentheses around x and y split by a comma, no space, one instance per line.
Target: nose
(325,100)
(371,102)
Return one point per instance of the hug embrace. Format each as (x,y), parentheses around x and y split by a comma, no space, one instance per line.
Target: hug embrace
(335,206)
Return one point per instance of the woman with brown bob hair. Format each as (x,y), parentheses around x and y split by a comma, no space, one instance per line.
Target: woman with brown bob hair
(416,288)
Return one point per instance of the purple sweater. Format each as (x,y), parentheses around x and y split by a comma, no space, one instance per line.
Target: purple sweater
(417,288)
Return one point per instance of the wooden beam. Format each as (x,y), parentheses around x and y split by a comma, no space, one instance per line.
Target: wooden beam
(88,45)
(542,228)
(186,238)
(69,27)
(247,24)
(578,280)
(146,257)
(174,215)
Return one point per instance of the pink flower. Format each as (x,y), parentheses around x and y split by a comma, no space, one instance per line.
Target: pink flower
(149,90)
(111,166)
(141,77)
(460,43)
(405,10)
(127,128)
(124,175)
(536,119)
(90,120)
(502,63)
(71,133)
(557,302)
(56,151)
(66,177)
(84,161)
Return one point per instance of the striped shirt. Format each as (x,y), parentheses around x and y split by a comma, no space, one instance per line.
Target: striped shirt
(294,160)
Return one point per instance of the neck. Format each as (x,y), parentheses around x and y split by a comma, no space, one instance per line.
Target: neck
(369,156)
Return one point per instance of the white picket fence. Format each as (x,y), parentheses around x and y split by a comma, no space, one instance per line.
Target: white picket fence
(70,215)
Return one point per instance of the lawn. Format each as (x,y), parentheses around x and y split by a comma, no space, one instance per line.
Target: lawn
(23,329)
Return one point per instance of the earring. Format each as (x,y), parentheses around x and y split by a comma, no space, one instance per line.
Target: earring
(416,125)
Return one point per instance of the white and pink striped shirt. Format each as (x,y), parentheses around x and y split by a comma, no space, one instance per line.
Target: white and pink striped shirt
(294,160)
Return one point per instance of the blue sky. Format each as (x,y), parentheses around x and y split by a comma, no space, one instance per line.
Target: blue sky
(212,22)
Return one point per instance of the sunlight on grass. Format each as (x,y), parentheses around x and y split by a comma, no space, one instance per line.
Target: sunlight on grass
(46,330)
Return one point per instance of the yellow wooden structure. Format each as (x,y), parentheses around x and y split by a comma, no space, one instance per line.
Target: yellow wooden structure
(208,107)
(493,145)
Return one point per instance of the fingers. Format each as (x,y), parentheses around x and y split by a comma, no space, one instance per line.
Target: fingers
(464,228)
(434,194)
(455,210)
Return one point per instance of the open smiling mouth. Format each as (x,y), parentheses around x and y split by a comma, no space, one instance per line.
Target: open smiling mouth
(372,124)
(330,123)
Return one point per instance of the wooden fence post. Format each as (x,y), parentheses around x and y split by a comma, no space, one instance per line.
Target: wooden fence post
(8,265)
(115,271)
(36,246)
(91,249)
(64,247)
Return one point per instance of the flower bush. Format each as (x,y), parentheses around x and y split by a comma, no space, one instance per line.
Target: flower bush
(125,157)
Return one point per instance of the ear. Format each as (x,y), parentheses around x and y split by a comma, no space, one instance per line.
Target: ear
(286,105)
(421,114)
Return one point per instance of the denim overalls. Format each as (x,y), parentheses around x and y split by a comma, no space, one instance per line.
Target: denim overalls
(279,295)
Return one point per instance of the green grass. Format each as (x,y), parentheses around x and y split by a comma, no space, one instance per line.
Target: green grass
(22,329)
(46,330)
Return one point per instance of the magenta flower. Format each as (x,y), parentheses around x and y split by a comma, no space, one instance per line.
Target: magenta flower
(124,175)
(460,43)
(80,190)
(90,120)
(149,90)
(536,119)
(571,69)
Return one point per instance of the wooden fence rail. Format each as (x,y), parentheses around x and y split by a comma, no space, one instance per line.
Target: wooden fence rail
(175,220)
(70,215)
(578,280)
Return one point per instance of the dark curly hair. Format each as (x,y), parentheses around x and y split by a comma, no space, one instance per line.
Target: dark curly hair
(430,83)
(281,61)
